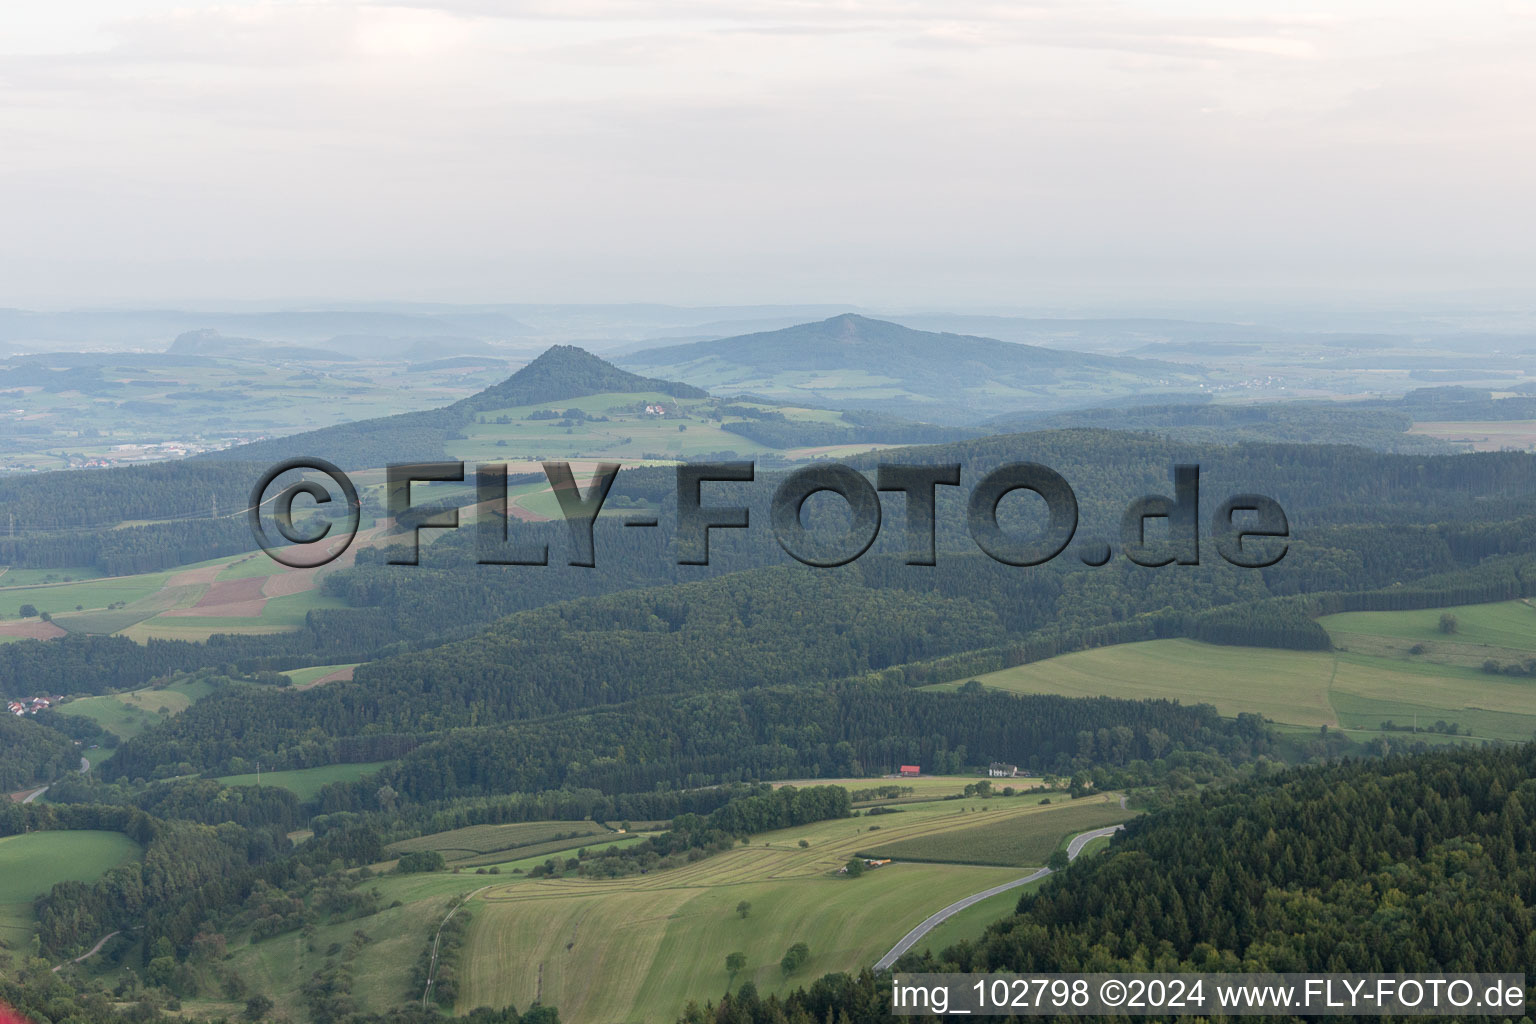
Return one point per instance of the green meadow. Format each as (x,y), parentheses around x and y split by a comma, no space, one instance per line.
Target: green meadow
(128,714)
(305,783)
(32,864)
(1358,686)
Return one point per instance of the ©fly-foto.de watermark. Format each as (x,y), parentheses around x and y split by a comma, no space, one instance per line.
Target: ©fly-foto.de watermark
(1238,522)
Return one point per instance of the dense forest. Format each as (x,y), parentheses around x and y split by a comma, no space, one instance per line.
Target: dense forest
(30,751)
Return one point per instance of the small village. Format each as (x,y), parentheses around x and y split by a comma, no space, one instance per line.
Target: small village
(32,705)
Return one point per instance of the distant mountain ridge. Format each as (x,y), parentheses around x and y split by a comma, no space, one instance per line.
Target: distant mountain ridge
(209,342)
(561,372)
(854,361)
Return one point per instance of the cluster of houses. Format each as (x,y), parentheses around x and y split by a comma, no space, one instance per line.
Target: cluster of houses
(995,770)
(869,862)
(655,410)
(32,705)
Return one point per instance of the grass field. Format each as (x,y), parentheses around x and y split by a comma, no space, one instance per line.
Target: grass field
(476,840)
(1505,624)
(1305,688)
(305,783)
(156,604)
(972,922)
(627,433)
(661,939)
(279,966)
(657,940)
(278,615)
(59,598)
(11,576)
(128,714)
(1015,841)
(1483,436)
(303,678)
(32,864)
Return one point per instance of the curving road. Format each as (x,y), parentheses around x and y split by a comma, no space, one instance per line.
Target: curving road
(912,937)
(85,766)
(93,951)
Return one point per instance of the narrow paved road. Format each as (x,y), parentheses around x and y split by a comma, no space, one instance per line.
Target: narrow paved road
(915,935)
(85,766)
(93,951)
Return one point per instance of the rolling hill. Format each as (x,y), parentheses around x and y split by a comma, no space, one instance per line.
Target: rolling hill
(561,373)
(855,362)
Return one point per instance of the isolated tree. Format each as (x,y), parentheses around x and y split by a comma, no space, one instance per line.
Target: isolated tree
(854,867)
(1448,622)
(27,611)
(734,963)
(1058,860)
(743,909)
(794,958)
(805,844)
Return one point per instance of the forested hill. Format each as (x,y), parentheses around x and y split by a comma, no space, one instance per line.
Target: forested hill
(565,371)
(1413,864)
(851,341)
(856,362)
(561,372)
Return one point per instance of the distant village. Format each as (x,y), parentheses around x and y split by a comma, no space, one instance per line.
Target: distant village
(32,705)
(132,454)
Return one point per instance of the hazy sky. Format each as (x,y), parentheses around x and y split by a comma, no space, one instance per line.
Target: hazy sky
(913,153)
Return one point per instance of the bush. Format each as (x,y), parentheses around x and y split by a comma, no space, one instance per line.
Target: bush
(422,860)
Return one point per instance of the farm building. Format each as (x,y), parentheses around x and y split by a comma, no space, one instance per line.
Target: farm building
(998,770)
(911,769)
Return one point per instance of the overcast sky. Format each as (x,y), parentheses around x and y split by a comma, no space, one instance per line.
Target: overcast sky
(884,152)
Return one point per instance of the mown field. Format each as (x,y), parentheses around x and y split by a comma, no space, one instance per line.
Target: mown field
(660,939)
(1346,688)
(32,864)
(279,966)
(1015,841)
